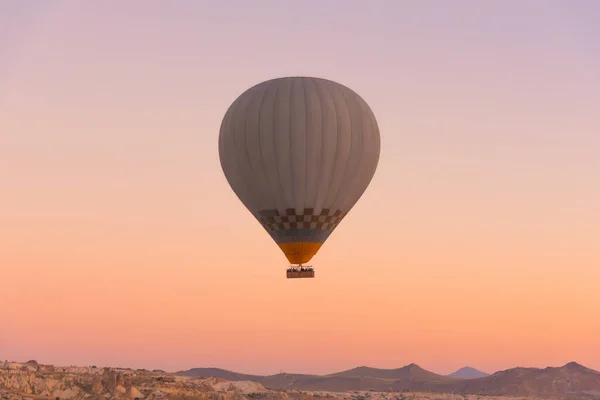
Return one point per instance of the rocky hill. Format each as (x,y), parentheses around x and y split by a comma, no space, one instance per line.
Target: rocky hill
(362,378)
(468,373)
(28,381)
(570,381)
(36,381)
(410,372)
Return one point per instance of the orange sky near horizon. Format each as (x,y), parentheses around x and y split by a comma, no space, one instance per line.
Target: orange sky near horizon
(477,242)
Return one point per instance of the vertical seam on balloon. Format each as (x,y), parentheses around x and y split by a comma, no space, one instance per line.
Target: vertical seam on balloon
(305,144)
(250,188)
(237,161)
(258,198)
(333,202)
(248,105)
(361,148)
(374,135)
(221,142)
(337,142)
(323,90)
(367,115)
(290,112)
(375,132)
(282,190)
(322,140)
(262,162)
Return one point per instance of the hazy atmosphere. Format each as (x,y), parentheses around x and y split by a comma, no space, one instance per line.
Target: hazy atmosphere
(477,242)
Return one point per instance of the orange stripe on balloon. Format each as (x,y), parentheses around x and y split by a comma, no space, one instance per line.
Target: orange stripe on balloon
(299,252)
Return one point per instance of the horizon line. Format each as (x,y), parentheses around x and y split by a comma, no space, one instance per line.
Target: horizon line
(296,373)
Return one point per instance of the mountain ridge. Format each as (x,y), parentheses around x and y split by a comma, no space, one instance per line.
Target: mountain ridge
(468,372)
(571,380)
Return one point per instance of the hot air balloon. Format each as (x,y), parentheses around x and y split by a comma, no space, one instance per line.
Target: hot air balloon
(299,152)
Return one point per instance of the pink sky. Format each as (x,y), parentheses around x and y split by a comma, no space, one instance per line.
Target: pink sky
(477,242)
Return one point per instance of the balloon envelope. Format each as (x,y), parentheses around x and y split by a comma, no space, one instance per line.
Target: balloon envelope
(299,152)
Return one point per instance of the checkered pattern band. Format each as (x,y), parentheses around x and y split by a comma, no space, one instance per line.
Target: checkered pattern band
(274,221)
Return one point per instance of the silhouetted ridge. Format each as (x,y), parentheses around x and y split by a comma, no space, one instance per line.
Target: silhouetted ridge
(218,373)
(468,373)
(578,367)
(411,371)
(569,381)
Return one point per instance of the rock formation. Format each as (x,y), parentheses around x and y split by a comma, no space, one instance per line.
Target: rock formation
(18,381)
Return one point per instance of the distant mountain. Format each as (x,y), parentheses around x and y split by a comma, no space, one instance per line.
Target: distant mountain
(569,381)
(362,378)
(468,373)
(410,372)
(219,373)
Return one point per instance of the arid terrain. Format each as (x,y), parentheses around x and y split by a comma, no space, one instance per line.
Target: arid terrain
(31,380)
(569,381)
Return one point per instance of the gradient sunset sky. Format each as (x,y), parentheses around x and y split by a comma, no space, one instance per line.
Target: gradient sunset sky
(477,242)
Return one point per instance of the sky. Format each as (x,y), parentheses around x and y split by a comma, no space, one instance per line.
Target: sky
(477,242)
